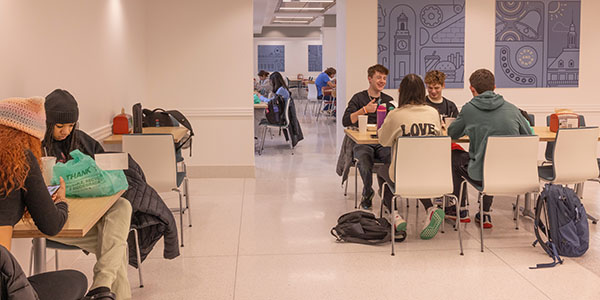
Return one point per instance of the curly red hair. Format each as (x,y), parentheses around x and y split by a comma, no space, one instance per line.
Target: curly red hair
(13,159)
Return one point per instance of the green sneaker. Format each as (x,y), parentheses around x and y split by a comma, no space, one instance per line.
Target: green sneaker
(435,217)
(399,222)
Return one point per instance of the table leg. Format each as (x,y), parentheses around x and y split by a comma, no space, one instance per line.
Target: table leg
(528,207)
(39,255)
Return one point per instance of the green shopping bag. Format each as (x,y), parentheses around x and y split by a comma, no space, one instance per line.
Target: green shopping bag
(83,178)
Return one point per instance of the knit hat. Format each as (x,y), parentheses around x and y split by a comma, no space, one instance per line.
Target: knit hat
(61,108)
(25,114)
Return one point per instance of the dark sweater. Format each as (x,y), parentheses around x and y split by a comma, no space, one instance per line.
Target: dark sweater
(358,101)
(446,109)
(48,217)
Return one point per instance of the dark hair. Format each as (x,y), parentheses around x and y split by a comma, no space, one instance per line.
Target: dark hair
(435,77)
(277,82)
(330,71)
(262,73)
(482,81)
(411,91)
(377,68)
(70,140)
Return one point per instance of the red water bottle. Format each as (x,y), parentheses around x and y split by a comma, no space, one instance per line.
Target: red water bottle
(381,113)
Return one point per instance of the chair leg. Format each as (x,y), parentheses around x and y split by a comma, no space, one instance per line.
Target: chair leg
(444,210)
(262,142)
(31,261)
(480,219)
(187,200)
(56,259)
(138,256)
(346,187)
(393,208)
(180,215)
(356,185)
(458,227)
(517,213)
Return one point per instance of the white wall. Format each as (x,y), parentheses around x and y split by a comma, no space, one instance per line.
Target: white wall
(329,37)
(296,55)
(358,52)
(94,49)
(200,61)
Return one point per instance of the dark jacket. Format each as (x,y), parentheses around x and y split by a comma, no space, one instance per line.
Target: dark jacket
(150,215)
(294,129)
(345,158)
(358,101)
(13,282)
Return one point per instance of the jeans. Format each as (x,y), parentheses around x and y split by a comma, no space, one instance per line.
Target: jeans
(460,165)
(64,284)
(366,155)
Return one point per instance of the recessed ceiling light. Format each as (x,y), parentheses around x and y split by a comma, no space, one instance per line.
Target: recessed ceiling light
(301,8)
(290,22)
(322,1)
(287,17)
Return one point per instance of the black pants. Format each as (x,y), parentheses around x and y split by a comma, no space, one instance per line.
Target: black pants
(63,285)
(366,155)
(460,164)
(383,175)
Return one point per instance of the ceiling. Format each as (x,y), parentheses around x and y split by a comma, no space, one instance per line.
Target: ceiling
(290,13)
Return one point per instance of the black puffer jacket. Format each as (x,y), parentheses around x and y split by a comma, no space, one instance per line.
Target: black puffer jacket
(14,283)
(151,217)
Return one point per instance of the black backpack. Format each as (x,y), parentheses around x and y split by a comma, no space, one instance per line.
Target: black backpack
(562,229)
(159,117)
(363,228)
(275,111)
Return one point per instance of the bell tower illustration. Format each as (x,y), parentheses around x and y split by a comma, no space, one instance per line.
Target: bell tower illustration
(402,48)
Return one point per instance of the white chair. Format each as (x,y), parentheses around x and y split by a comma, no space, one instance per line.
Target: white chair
(312,96)
(509,169)
(285,126)
(155,153)
(417,178)
(574,158)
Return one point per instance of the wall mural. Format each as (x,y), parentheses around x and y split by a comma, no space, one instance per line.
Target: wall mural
(537,43)
(416,36)
(271,58)
(315,58)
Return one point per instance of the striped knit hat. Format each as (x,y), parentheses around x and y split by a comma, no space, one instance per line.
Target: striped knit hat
(25,114)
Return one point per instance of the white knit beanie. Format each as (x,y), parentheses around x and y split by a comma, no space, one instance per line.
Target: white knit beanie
(25,114)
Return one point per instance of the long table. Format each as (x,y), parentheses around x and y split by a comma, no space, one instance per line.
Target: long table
(84,213)
(368,138)
(177,132)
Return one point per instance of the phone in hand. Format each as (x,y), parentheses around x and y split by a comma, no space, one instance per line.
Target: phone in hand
(52,189)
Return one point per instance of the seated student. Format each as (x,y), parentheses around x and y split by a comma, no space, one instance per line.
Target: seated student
(365,103)
(435,82)
(263,85)
(279,86)
(412,111)
(22,188)
(108,238)
(485,115)
(324,80)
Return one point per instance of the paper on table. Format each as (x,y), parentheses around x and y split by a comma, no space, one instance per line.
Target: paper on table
(112,161)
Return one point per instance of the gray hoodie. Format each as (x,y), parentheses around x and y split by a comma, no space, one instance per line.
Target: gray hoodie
(486,114)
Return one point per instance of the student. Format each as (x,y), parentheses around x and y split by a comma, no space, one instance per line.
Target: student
(486,114)
(279,86)
(435,82)
(412,112)
(108,238)
(365,103)
(263,85)
(22,188)
(325,80)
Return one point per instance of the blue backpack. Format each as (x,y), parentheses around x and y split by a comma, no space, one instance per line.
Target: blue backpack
(561,225)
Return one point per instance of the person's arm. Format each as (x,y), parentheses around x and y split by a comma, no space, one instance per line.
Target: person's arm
(453,113)
(524,127)
(47,216)
(354,110)
(456,130)
(331,84)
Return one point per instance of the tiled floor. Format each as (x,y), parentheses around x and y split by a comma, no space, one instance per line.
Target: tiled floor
(268,238)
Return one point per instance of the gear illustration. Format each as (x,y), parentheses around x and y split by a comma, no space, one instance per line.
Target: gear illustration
(431,16)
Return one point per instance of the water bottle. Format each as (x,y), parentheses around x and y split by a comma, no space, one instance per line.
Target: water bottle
(381,113)
(156,123)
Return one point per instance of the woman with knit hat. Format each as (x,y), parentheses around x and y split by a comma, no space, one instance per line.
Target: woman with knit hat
(108,238)
(22,188)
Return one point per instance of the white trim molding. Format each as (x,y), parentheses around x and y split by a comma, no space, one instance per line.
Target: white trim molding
(101,133)
(233,112)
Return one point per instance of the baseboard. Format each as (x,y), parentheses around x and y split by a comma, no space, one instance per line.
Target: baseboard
(220,171)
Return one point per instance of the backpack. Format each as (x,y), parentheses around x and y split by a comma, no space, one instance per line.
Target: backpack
(275,111)
(363,228)
(562,229)
(159,117)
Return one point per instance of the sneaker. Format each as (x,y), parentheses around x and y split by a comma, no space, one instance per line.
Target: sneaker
(435,217)
(399,222)
(451,214)
(367,201)
(487,220)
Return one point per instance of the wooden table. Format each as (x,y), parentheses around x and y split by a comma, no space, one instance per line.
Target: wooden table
(261,105)
(177,132)
(542,131)
(84,213)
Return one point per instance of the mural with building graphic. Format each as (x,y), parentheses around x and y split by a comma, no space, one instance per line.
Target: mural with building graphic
(416,36)
(271,58)
(537,43)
